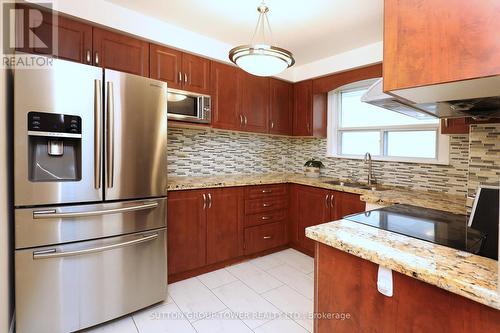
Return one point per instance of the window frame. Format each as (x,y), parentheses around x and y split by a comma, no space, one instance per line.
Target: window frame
(334,132)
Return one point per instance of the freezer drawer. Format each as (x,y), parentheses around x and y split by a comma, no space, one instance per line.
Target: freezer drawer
(70,287)
(63,224)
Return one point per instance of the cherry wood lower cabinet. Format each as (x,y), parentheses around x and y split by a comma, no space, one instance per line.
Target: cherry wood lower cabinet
(204,227)
(224,224)
(186,230)
(266,217)
(347,285)
(312,206)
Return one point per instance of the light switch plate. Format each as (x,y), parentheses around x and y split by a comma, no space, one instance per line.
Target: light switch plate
(384,281)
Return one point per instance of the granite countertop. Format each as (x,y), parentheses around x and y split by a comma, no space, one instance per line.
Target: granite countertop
(446,202)
(459,272)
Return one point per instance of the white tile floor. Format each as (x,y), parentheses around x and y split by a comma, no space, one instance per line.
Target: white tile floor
(270,294)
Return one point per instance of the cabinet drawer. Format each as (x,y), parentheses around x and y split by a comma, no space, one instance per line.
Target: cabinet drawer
(265,205)
(264,191)
(265,217)
(264,237)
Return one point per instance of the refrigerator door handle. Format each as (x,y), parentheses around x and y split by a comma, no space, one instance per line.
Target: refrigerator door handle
(110,135)
(52,253)
(97,135)
(52,214)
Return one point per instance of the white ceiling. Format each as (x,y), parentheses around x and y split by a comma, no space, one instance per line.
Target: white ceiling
(311,29)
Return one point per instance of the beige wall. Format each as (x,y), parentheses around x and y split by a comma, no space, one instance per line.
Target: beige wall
(5,281)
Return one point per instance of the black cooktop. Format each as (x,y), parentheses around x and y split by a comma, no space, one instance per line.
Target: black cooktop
(426,224)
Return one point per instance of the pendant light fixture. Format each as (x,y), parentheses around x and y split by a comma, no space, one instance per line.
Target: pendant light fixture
(260,57)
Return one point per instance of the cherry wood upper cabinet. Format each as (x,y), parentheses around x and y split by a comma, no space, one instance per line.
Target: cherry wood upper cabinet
(436,41)
(226,91)
(165,64)
(180,70)
(255,103)
(309,112)
(74,39)
(120,52)
(225,208)
(196,73)
(281,107)
(186,222)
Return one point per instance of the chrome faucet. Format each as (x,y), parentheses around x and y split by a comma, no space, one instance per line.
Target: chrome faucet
(368,159)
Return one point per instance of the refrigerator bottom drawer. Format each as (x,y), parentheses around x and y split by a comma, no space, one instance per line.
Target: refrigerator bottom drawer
(70,287)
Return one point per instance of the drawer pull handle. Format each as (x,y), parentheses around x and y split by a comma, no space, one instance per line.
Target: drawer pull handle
(268,237)
(266,217)
(267,191)
(266,205)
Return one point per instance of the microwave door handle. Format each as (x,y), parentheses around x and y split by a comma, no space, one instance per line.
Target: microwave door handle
(52,253)
(110,135)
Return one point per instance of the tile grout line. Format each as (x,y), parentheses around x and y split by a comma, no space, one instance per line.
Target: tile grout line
(227,307)
(306,275)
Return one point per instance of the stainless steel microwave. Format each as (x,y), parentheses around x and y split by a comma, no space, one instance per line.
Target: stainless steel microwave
(188,106)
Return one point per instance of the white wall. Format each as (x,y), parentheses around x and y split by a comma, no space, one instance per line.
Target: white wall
(123,19)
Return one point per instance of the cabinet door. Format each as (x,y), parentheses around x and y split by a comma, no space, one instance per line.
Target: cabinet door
(255,103)
(281,105)
(312,209)
(196,73)
(226,81)
(302,108)
(165,64)
(120,52)
(186,225)
(436,41)
(74,39)
(224,224)
(455,126)
(344,203)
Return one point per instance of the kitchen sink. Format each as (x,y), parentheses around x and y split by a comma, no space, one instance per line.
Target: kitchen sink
(355,185)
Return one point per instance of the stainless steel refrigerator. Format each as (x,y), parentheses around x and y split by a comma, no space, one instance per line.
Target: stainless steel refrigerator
(90,178)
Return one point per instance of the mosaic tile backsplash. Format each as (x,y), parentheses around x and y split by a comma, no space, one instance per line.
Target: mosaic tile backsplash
(484,156)
(198,152)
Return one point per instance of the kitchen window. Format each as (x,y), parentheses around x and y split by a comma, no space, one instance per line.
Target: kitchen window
(356,127)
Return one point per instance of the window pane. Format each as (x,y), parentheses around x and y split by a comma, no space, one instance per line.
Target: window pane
(412,144)
(355,113)
(358,143)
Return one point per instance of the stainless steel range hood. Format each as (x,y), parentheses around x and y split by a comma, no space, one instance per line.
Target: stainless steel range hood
(477,98)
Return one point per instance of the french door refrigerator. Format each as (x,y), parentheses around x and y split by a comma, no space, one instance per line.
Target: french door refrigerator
(90,182)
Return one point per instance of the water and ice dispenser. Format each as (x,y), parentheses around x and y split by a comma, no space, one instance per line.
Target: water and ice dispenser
(54,147)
